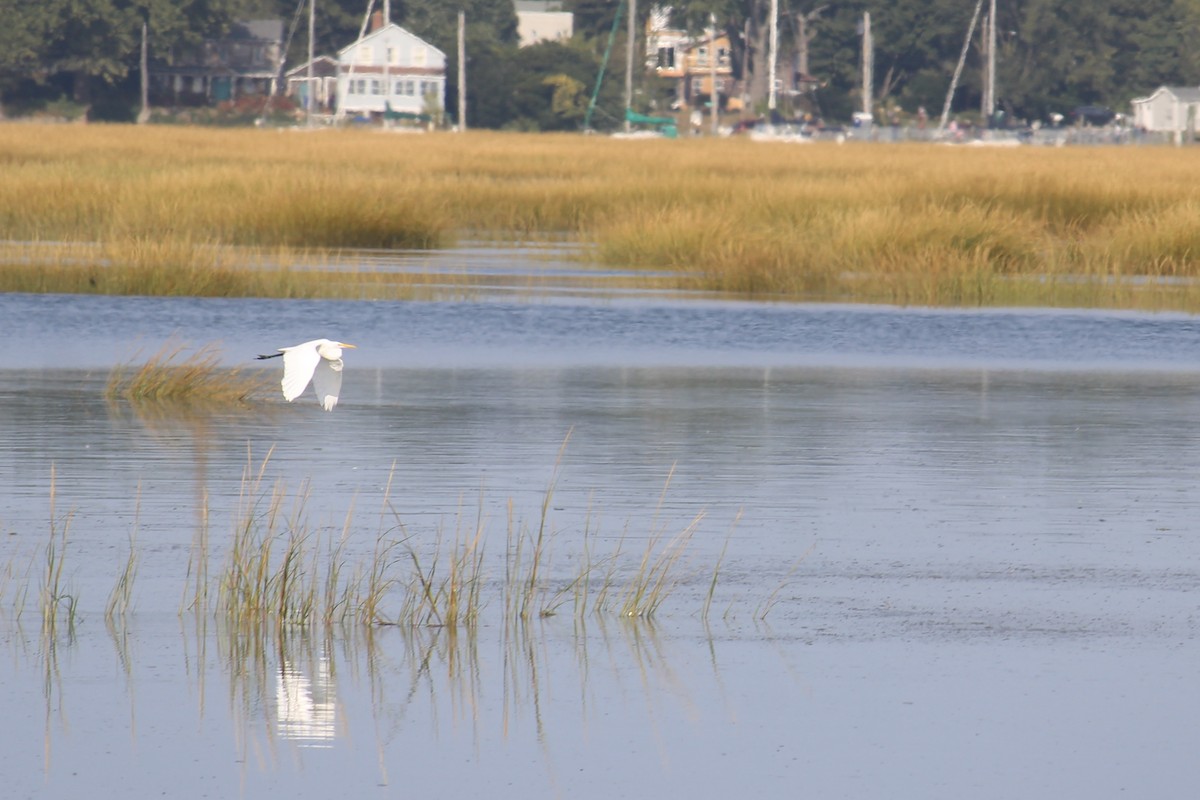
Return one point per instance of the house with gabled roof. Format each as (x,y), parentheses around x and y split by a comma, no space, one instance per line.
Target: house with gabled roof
(390,70)
(246,61)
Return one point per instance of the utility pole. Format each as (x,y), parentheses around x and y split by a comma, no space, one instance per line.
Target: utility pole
(462,71)
(868,65)
(989,90)
(312,89)
(712,70)
(774,55)
(631,39)
(144,115)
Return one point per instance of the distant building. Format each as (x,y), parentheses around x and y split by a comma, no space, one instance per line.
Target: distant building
(665,45)
(1170,109)
(688,61)
(390,69)
(543,21)
(245,62)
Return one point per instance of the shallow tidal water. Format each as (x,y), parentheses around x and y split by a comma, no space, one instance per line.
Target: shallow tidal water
(957,552)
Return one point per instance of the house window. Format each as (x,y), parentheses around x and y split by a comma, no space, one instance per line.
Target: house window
(365,54)
(376,88)
(409,88)
(420,56)
(697,86)
(666,58)
(398,88)
(361,86)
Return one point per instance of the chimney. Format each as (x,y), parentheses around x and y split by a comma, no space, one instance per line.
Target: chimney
(376,21)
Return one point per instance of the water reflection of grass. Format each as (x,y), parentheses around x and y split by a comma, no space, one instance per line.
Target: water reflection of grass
(293,682)
(285,596)
(205,212)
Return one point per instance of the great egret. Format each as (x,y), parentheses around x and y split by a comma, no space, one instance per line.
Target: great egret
(319,361)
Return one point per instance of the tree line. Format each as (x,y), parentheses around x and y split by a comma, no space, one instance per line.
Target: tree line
(1051,55)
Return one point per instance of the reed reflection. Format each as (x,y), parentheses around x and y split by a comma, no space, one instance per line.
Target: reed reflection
(313,688)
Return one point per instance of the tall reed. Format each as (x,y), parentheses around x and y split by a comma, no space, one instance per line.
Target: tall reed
(54,597)
(278,569)
(120,599)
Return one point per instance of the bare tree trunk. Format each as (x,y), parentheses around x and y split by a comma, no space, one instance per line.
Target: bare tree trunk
(756,43)
(804,36)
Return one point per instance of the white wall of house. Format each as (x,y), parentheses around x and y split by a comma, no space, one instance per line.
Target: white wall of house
(543,21)
(544,26)
(391,67)
(1169,109)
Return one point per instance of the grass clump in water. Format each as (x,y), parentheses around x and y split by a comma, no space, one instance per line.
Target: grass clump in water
(175,376)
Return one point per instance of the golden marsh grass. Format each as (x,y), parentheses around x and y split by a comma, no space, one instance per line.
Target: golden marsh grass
(175,376)
(254,212)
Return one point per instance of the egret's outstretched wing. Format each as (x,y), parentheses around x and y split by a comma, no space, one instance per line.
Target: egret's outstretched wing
(327,382)
(298,365)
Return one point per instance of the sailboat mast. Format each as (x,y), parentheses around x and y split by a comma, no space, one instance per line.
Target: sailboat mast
(962,57)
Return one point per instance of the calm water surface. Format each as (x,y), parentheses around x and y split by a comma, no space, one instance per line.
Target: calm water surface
(974,532)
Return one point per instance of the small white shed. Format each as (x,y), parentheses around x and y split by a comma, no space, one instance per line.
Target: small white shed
(391,68)
(1171,109)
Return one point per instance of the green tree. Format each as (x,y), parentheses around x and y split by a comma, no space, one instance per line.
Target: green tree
(91,42)
(552,84)
(22,42)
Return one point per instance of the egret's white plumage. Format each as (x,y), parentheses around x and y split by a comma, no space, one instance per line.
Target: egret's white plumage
(318,361)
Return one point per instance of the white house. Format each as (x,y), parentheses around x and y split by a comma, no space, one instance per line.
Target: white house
(543,21)
(1171,109)
(390,68)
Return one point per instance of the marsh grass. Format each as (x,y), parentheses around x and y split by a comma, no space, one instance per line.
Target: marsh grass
(120,599)
(176,375)
(57,603)
(239,212)
(279,570)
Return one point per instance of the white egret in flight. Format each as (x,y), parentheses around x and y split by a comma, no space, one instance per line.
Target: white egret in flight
(319,361)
